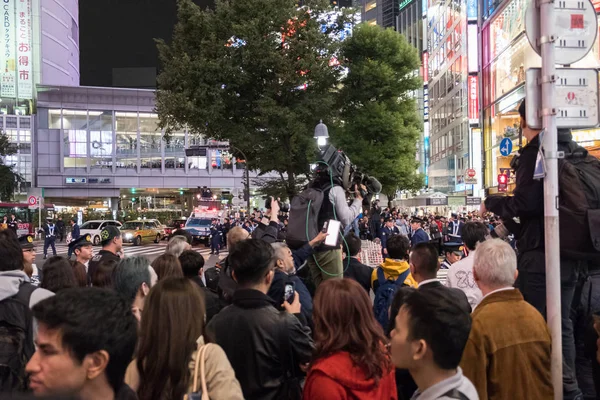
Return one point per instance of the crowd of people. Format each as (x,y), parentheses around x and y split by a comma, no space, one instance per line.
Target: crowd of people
(107,327)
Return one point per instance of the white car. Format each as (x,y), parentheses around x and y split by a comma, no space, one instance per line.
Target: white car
(93,228)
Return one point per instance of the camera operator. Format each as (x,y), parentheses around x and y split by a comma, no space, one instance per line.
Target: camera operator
(327,261)
(268,227)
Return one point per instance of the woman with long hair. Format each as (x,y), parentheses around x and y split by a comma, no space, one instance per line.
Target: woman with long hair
(167,266)
(170,337)
(57,274)
(350,358)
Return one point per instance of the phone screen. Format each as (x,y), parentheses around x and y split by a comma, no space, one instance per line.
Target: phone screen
(333,232)
(288,294)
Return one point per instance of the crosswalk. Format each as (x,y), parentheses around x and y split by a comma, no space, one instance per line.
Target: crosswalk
(150,250)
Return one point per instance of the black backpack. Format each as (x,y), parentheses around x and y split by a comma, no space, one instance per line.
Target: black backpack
(579,204)
(16,339)
(303,223)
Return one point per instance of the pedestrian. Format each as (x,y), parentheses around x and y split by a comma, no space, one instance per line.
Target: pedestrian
(60,227)
(85,339)
(225,230)
(80,273)
(13,224)
(112,243)
(429,336)
(75,234)
(83,249)
(167,265)
(418,235)
(132,278)
(103,275)
(177,245)
(192,265)
(452,253)
(353,268)
(506,347)
(455,227)
(162,368)
(388,230)
(58,275)
(351,359)
(215,237)
(29,267)
(266,331)
(460,274)
(50,232)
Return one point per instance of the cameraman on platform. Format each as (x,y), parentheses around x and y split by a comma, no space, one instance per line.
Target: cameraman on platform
(328,259)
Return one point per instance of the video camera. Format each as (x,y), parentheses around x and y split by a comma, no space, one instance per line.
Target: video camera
(345,173)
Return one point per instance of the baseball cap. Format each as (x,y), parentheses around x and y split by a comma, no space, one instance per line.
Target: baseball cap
(109,233)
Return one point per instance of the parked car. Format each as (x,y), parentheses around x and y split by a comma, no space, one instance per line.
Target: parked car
(138,232)
(93,228)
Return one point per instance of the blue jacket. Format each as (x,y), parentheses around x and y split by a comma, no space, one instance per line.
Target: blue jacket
(277,290)
(75,233)
(301,255)
(386,233)
(419,236)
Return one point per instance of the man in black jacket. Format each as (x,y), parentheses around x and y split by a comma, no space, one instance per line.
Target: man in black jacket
(527,203)
(353,268)
(424,264)
(260,341)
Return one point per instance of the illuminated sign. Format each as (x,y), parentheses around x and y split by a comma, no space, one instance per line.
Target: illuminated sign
(16,76)
(425,67)
(473,99)
(24,54)
(426,103)
(472,10)
(472,48)
(404,3)
(75,180)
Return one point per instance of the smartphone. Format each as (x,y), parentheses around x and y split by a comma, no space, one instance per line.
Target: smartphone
(288,292)
(333,232)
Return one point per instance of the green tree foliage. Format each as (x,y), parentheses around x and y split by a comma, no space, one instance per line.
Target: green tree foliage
(228,75)
(379,124)
(9,179)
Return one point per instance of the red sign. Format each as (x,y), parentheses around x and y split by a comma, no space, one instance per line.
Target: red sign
(32,200)
(471,172)
(425,73)
(473,98)
(576,21)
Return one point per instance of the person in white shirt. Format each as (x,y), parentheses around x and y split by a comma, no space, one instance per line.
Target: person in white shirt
(460,274)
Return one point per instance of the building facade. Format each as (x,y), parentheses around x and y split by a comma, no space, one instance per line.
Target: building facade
(96,142)
(380,12)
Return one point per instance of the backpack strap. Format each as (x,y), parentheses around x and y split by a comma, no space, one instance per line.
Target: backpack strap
(402,277)
(380,276)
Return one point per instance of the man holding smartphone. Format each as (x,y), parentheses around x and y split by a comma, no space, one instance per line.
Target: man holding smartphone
(268,228)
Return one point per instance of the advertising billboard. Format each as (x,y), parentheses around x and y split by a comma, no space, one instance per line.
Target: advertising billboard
(16,55)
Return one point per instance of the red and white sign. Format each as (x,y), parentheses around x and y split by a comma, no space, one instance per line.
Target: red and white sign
(471,172)
(425,72)
(470,178)
(32,200)
(473,99)
(24,229)
(24,54)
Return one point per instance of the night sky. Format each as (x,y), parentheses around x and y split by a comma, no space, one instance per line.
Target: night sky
(120,34)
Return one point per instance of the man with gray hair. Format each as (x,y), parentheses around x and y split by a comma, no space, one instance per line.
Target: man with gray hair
(508,352)
(177,245)
(285,273)
(133,277)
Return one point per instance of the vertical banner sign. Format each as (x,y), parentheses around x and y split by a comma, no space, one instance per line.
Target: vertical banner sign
(473,99)
(24,59)
(8,84)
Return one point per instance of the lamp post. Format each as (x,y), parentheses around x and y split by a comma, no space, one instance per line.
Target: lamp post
(321,134)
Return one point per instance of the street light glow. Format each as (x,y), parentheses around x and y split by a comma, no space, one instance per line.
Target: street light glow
(321,141)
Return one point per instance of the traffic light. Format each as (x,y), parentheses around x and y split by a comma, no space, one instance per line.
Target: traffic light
(502,182)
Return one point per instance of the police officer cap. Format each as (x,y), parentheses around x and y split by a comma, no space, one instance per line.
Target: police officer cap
(26,242)
(109,233)
(456,248)
(83,240)
(415,220)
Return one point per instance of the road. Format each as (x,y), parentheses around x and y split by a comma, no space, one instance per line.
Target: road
(150,251)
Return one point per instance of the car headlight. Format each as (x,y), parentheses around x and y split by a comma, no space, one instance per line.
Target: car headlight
(128,235)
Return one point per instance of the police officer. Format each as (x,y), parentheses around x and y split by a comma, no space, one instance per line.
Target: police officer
(26,242)
(215,237)
(453,252)
(418,235)
(226,228)
(388,231)
(83,249)
(50,232)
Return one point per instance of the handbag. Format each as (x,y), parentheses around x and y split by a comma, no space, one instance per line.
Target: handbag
(201,394)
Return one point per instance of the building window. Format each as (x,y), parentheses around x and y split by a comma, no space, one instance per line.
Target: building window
(150,141)
(54,119)
(370,5)
(101,139)
(74,124)
(126,125)
(175,151)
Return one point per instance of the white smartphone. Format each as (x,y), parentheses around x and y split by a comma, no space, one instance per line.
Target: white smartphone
(333,232)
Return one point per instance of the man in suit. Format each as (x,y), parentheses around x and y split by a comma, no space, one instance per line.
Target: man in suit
(75,234)
(354,269)
(424,264)
(388,231)
(455,229)
(418,234)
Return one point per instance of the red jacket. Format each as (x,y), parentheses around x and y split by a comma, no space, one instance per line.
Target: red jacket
(337,378)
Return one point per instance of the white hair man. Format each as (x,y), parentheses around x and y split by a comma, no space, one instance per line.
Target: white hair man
(509,347)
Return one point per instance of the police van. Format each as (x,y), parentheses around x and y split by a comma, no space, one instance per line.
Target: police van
(199,222)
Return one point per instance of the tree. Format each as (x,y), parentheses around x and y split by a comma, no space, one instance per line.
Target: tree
(255,73)
(379,124)
(9,179)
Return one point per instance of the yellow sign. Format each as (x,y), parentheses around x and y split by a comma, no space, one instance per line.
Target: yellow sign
(29,239)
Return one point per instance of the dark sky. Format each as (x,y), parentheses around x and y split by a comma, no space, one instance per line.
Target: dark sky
(120,34)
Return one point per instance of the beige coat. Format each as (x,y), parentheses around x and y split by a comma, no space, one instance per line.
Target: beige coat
(220,377)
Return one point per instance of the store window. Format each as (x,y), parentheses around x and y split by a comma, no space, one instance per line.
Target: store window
(101,138)
(126,125)
(74,124)
(150,141)
(54,119)
(175,150)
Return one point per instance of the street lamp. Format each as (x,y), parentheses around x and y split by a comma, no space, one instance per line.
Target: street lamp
(321,134)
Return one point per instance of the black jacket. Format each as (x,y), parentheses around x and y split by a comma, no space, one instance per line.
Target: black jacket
(277,290)
(527,201)
(361,273)
(453,294)
(250,332)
